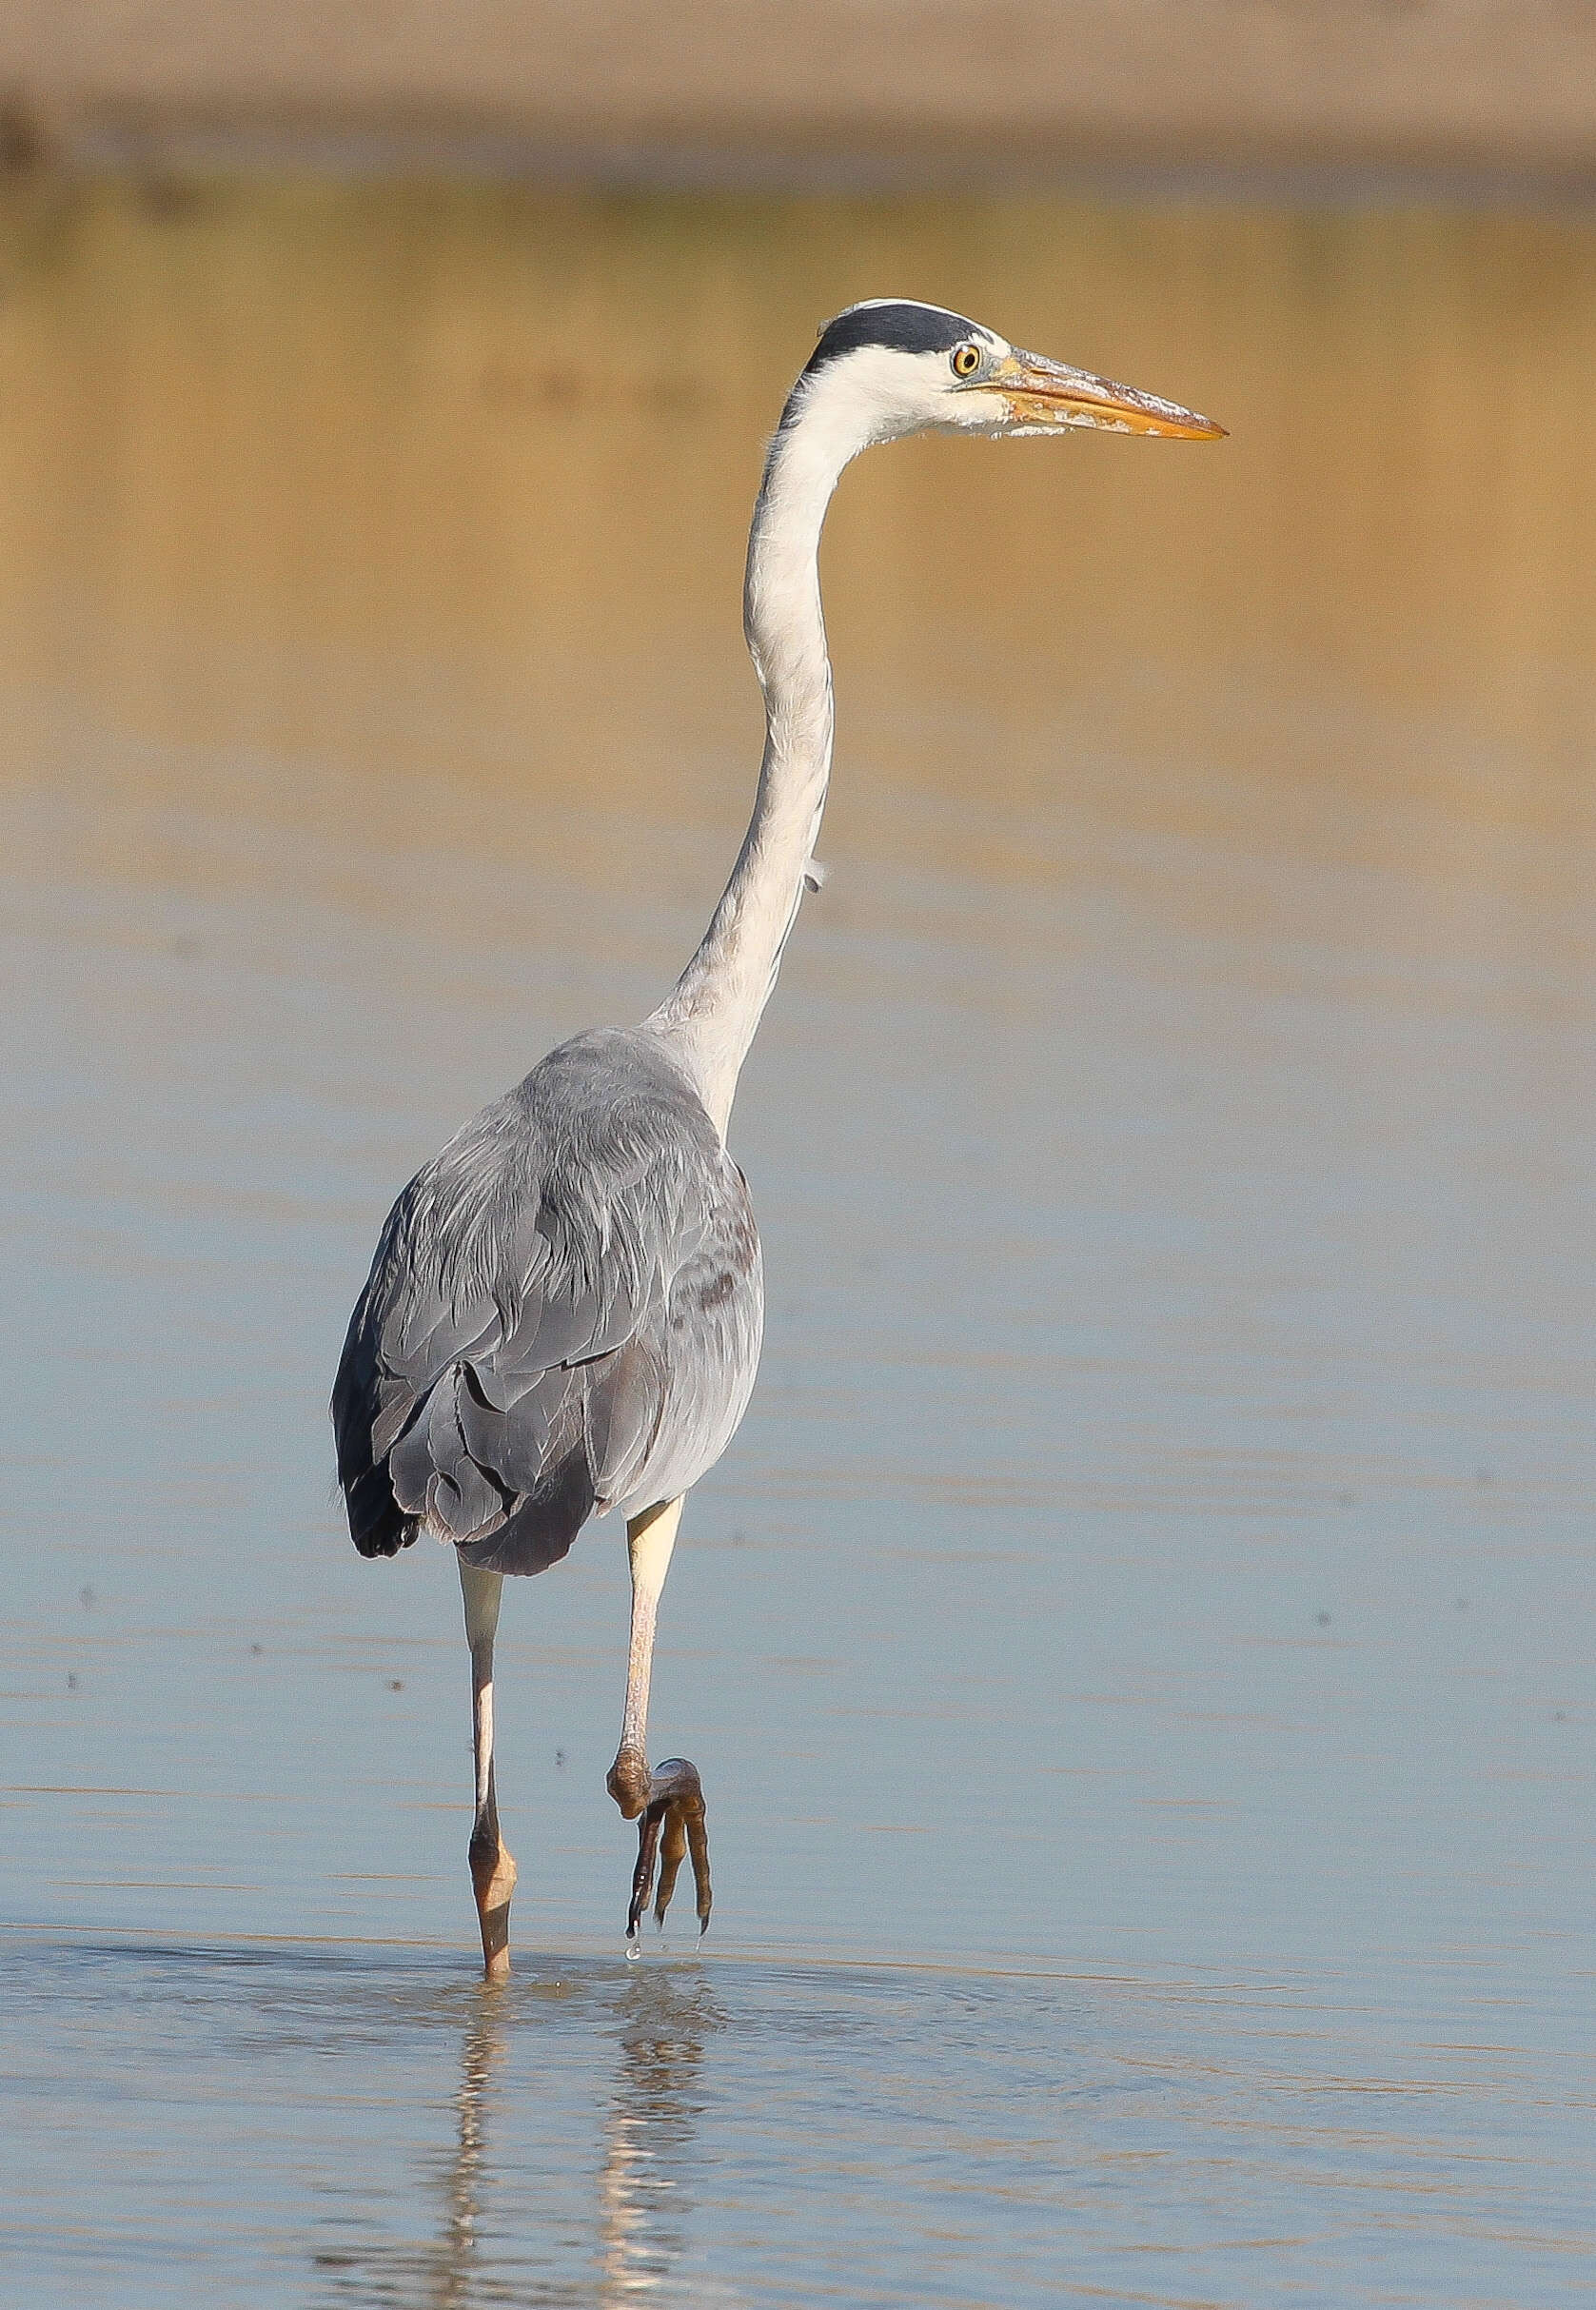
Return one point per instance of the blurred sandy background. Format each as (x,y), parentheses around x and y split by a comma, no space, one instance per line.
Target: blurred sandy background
(845,89)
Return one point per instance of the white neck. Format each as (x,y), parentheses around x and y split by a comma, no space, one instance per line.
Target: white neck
(710,1016)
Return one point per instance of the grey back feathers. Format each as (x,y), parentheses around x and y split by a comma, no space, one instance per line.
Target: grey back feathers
(563,1314)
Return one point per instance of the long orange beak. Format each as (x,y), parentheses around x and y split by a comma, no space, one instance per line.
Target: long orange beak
(1042,393)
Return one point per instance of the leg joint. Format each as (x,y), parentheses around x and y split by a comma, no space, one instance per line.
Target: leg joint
(628,1782)
(493,1872)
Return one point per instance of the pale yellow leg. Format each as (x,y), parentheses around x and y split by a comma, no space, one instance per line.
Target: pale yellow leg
(493,1872)
(670,1798)
(650,1539)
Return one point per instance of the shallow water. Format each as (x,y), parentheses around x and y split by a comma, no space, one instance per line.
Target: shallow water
(1138,1647)
(340,2128)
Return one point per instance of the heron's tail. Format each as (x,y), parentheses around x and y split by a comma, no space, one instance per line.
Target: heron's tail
(540,1530)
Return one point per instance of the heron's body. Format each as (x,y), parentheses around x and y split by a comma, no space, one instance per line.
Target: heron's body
(563,1315)
(565,1310)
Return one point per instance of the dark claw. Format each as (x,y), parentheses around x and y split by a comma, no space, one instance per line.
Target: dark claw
(676,1807)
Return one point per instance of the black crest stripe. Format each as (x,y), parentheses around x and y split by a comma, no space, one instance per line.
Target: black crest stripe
(903,329)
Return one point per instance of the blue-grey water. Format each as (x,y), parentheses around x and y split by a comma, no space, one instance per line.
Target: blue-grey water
(1138,1648)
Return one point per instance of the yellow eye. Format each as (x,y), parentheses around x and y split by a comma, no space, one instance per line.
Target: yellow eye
(966,360)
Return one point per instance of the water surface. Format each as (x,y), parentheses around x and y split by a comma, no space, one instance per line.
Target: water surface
(1138,1647)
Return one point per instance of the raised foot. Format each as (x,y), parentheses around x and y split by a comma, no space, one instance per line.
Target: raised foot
(493,1880)
(668,1807)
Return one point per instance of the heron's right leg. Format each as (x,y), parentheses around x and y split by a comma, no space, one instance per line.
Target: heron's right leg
(493,1872)
(667,1803)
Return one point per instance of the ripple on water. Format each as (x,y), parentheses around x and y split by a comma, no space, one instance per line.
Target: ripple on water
(374,2127)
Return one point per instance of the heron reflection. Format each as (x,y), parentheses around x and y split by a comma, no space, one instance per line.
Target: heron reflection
(505,2238)
(645,2186)
(480,2055)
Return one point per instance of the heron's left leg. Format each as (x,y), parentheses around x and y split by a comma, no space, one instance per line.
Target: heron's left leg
(670,1799)
(493,1872)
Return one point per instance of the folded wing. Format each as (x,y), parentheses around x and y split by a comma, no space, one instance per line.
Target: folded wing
(562,1315)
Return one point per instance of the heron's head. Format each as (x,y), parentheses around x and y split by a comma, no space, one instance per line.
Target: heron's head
(890,367)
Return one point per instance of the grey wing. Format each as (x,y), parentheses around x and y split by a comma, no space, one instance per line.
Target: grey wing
(528,1347)
(709,1350)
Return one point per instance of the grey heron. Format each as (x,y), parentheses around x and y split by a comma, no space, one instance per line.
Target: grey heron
(565,1310)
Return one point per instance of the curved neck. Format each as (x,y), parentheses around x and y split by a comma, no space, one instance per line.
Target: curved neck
(710,1016)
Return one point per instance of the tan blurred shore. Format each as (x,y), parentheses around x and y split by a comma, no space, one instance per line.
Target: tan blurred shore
(810,92)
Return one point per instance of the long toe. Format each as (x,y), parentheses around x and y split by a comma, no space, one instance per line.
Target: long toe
(698,1844)
(671,1830)
(642,1875)
(673,1851)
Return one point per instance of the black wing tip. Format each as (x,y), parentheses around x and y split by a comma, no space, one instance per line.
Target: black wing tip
(378,1525)
(384,1533)
(371,1544)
